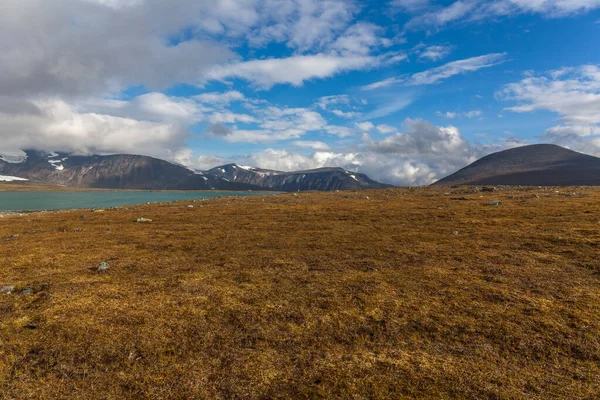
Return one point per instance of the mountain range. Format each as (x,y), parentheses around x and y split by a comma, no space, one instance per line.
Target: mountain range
(125,171)
(535,165)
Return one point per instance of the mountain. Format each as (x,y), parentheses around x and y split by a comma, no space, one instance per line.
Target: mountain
(316,179)
(535,165)
(124,171)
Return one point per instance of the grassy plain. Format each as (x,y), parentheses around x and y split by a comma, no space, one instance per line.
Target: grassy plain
(392,294)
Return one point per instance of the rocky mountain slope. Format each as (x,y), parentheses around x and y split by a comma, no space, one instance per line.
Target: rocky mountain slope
(535,165)
(125,171)
(317,179)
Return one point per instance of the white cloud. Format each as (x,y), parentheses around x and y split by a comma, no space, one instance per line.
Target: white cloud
(348,114)
(315,145)
(365,126)
(360,39)
(326,101)
(418,156)
(573,94)
(293,70)
(220,98)
(438,74)
(478,10)
(58,126)
(343,106)
(468,114)
(228,117)
(382,84)
(435,75)
(442,16)
(386,129)
(284,160)
(341,131)
(411,6)
(435,53)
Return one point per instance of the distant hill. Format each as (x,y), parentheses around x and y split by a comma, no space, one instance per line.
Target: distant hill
(125,171)
(535,165)
(324,179)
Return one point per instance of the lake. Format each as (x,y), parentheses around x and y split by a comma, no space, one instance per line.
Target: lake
(38,201)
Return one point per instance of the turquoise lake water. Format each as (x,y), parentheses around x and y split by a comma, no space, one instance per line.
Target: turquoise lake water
(38,201)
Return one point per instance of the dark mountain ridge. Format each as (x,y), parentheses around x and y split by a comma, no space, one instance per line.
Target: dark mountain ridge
(534,165)
(125,171)
(322,179)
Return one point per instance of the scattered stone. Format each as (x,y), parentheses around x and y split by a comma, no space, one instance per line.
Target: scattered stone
(103,267)
(495,203)
(27,291)
(455,233)
(190,206)
(8,239)
(83,218)
(6,289)
(144,220)
(78,230)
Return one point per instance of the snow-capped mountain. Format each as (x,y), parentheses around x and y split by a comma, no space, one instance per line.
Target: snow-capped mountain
(125,171)
(317,179)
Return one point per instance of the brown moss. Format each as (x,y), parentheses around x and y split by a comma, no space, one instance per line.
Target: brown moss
(412,293)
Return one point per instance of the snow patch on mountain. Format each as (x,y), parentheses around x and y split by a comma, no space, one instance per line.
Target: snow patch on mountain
(5,178)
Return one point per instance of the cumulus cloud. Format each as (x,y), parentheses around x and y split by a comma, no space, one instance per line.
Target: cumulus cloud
(573,94)
(56,125)
(81,55)
(85,48)
(419,155)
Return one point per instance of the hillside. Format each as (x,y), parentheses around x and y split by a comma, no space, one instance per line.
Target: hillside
(125,171)
(535,165)
(322,179)
(390,294)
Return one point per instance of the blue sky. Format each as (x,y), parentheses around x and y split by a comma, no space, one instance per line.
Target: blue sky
(406,91)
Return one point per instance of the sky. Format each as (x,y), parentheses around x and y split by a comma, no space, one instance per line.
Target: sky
(405,91)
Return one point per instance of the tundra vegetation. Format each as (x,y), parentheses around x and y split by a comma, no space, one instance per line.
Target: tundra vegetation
(395,293)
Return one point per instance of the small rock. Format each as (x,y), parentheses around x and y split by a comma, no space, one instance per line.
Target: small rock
(455,233)
(27,291)
(31,325)
(103,267)
(190,206)
(368,198)
(83,218)
(78,230)
(144,220)
(495,203)
(6,289)
(98,211)
(8,239)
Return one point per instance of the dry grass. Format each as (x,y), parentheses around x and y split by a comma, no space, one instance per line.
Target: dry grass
(412,293)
